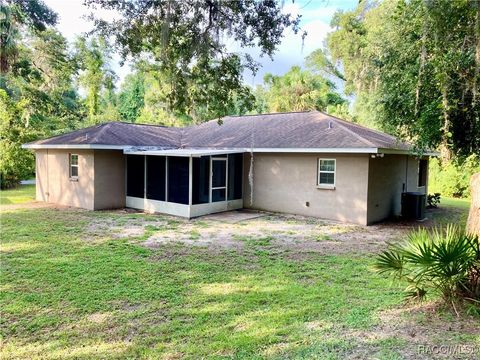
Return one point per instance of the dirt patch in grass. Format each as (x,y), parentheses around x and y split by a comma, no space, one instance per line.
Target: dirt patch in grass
(298,235)
(421,331)
(295,236)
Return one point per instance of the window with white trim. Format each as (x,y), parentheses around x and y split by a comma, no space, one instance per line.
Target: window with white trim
(73,166)
(326,173)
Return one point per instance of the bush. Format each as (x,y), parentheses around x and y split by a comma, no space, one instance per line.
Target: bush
(15,164)
(444,261)
(452,178)
(433,200)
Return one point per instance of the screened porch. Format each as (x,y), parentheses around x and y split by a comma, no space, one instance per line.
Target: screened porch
(184,183)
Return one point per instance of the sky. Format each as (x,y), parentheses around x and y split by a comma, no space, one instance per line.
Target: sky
(316,16)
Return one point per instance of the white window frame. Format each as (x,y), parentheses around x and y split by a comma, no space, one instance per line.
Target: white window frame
(70,166)
(326,186)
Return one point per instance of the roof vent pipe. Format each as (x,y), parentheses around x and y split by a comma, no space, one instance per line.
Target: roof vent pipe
(330,125)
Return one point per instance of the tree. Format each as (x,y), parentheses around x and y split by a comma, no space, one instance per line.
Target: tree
(416,64)
(473,223)
(15,163)
(131,96)
(37,98)
(93,57)
(300,90)
(185,40)
(33,14)
(8,38)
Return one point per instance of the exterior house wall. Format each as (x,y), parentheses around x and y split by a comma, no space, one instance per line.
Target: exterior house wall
(367,190)
(388,177)
(100,183)
(53,178)
(286,182)
(109,179)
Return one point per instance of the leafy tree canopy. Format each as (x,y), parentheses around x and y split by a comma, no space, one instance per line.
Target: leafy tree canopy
(37,98)
(414,68)
(187,42)
(93,57)
(299,90)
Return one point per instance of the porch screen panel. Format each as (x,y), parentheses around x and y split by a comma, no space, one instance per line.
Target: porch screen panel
(235,176)
(218,174)
(135,175)
(156,177)
(178,179)
(201,180)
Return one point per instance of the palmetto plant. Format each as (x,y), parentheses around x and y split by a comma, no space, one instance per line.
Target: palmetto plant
(445,261)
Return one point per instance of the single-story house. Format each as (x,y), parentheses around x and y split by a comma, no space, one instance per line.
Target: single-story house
(306,163)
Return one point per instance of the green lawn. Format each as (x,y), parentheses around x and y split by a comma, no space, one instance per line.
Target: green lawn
(451,210)
(22,194)
(72,290)
(453,202)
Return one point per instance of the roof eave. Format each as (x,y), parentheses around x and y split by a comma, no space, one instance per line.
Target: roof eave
(74,146)
(185,152)
(407,152)
(370,150)
(315,150)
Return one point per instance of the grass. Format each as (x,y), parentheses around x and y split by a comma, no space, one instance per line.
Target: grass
(455,202)
(68,293)
(22,194)
(451,210)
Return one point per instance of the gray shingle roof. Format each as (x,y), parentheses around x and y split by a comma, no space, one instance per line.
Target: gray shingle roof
(312,129)
(118,133)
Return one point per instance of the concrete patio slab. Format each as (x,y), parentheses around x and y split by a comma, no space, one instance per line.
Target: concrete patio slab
(233,217)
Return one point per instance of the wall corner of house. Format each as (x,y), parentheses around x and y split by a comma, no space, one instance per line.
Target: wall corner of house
(367,192)
(94,187)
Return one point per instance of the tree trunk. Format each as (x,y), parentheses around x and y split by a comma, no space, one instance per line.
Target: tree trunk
(473,223)
(445,151)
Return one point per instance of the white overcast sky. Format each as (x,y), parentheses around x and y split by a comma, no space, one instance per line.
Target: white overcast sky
(316,16)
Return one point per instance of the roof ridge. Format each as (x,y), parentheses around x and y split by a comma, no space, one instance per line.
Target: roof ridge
(358,125)
(70,132)
(339,123)
(138,124)
(102,128)
(268,114)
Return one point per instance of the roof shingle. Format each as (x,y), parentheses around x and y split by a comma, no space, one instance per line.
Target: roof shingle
(312,129)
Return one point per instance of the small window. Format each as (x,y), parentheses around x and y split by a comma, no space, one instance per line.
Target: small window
(422,172)
(326,173)
(73,166)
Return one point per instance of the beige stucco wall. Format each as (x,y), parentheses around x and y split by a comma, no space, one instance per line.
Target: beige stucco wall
(285,182)
(53,180)
(100,182)
(367,189)
(388,177)
(109,179)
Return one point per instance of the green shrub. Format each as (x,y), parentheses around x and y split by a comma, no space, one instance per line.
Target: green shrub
(15,163)
(444,261)
(433,200)
(452,179)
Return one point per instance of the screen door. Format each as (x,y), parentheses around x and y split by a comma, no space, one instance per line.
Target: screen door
(219,179)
